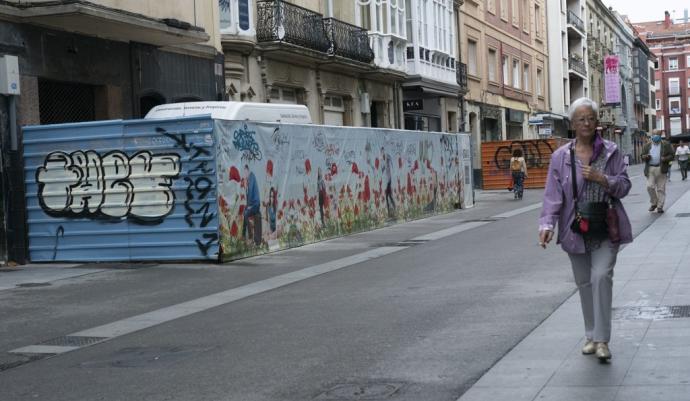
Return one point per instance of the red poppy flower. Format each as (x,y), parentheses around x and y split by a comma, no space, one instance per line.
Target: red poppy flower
(367,190)
(234,230)
(241,211)
(409,184)
(307,166)
(234,174)
(334,169)
(355,169)
(356,210)
(376,163)
(269,168)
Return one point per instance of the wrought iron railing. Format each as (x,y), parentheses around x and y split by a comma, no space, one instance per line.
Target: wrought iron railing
(461,75)
(575,21)
(289,23)
(577,65)
(348,40)
(279,21)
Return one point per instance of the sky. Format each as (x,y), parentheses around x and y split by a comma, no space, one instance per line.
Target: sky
(642,11)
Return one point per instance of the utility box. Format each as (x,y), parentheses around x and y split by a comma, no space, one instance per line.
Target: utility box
(9,75)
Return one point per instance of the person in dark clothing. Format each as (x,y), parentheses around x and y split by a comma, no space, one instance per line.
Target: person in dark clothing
(253,207)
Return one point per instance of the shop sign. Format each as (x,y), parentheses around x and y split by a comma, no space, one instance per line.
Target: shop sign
(413,104)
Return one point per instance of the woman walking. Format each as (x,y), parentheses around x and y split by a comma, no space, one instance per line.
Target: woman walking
(592,223)
(518,169)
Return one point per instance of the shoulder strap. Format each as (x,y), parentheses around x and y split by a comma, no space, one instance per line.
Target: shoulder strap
(574,172)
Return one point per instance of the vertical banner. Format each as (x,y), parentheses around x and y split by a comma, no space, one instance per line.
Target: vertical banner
(285,185)
(612,86)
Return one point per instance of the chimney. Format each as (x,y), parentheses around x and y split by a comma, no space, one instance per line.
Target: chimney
(667,20)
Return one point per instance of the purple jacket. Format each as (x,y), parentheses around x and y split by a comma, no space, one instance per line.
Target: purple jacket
(559,205)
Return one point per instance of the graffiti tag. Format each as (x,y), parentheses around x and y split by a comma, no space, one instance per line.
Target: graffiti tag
(280,140)
(243,140)
(86,184)
(199,188)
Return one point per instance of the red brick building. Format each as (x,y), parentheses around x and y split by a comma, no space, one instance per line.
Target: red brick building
(670,42)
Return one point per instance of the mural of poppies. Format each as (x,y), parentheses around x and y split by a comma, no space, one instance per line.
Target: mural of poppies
(314,182)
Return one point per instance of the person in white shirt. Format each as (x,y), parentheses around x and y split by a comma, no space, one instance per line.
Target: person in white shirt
(682,153)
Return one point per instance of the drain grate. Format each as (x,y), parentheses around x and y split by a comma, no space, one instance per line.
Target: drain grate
(682,214)
(30,285)
(74,341)
(408,242)
(361,391)
(651,312)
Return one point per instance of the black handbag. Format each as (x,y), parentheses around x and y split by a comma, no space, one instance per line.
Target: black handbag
(590,217)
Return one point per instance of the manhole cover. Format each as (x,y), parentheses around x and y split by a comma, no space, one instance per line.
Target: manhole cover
(682,214)
(651,312)
(29,285)
(146,356)
(74,341)
(362,391)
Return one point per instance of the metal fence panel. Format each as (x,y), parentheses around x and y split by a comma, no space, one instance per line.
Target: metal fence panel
(122,190)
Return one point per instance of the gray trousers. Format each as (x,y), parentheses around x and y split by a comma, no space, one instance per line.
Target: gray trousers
(593,273)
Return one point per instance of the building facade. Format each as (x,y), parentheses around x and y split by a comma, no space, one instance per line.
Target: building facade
(610,58)
(504,44)
(94,60)
(434,72)
(569,71)
(317,53)
(670,41)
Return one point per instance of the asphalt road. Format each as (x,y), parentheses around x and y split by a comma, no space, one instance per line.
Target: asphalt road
(420,323)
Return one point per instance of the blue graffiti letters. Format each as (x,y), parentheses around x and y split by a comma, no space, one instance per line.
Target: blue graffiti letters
(243,140)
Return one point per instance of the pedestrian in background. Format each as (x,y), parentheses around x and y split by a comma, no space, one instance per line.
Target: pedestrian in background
(600,177)
(656,156)
(518,170)
(682,153)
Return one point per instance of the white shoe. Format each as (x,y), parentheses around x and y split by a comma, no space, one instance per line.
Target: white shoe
(603,352)
(589,348)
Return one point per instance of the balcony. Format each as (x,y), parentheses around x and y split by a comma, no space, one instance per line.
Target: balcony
(283,23)
(577,65)
(347,40)
(575,21)
(279,21)
(461,74)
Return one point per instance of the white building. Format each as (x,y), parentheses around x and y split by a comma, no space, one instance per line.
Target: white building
(568,69)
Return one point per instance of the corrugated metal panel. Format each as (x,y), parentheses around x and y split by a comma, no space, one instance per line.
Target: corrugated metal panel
(122,190)
(496,161)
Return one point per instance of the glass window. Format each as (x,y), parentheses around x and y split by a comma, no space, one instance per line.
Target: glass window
(674,86)
(658,104)
(525,77)
(515,12)
(672,63)
(674,106)
(657,84)
(516,74)
(687,61)
(504,9)
(492,65)
(504,65)
(539,73)
(472,57)
(537,20)
(365,16)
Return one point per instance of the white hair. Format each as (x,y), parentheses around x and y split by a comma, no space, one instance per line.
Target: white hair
(583,102)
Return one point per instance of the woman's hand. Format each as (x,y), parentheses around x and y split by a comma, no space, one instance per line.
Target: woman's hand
(591,174)
(545,236)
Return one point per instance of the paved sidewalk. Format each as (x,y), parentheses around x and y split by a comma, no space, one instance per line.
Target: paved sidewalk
(650,347)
